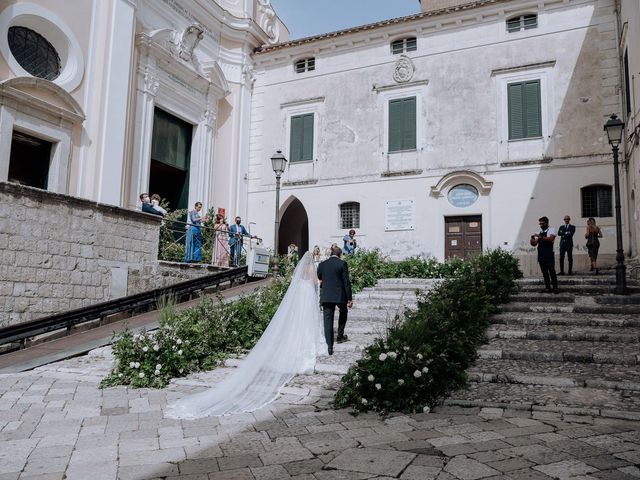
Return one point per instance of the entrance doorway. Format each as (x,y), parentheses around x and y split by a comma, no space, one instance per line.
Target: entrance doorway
(463,236)
(29,160)
(294,228)
(170,159)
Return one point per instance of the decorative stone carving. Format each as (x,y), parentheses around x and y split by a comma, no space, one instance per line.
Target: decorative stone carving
(268,20)
(184,43)
(151,82)
(248,75)
(404,69)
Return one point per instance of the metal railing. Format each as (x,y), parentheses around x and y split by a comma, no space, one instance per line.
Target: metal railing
(100,311)
(214,245)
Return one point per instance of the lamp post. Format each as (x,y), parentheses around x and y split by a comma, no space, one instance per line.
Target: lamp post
(278,163)
(614,128)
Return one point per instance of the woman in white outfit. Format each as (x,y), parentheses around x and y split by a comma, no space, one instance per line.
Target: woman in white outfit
(287,347)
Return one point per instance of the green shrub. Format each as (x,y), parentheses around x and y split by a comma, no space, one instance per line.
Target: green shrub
(195,339)
(425,357)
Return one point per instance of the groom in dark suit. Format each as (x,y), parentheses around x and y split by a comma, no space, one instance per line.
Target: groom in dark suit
(566,232)
(336,291)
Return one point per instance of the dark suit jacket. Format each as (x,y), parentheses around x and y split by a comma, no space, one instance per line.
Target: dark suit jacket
(336,286)
(147,208)
(566,234)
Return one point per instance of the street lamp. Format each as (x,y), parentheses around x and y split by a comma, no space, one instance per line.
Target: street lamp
(614,128)
(278,163)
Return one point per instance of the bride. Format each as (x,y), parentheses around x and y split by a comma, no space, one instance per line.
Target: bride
(287,347)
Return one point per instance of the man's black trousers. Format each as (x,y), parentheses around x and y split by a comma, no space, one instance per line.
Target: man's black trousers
(328,309)
(569,252)
(548,268)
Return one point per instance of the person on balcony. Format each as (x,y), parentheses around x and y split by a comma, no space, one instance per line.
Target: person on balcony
(193,251)
(221,235)
(236,234)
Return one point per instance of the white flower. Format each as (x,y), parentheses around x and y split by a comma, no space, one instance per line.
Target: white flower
(426,409)
(145,349)
(179,352)
(419,356)
(156,348)
(141,374)
(158,366)
(378,386)
(179,342)
(136,337)
(364,401)
(181,370)
(393,355)
(157,372)
(400,382)
(425,370)
(132,364)
(137,365)
(382,357)
(371,378)
(406,349)
(120,375)
(417,374)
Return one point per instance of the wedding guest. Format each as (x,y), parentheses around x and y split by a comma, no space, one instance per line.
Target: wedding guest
(316,254)
(193,251)
(566,232)
(155,203)
(593,243)
(221,233)
(544,241)
(236,234)
(146,206)
(350,243)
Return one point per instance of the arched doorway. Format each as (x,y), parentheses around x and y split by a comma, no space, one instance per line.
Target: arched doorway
(294,227)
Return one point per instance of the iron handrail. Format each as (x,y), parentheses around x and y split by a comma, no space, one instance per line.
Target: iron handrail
(99,311)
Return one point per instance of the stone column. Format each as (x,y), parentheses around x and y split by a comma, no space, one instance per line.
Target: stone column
(202,156)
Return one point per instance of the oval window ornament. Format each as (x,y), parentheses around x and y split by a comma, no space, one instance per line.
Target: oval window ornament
(463,195)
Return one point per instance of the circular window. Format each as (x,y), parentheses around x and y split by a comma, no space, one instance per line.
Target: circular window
(34,53)
(463,195)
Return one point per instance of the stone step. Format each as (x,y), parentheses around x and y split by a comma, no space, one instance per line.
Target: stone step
(359,312)
(623,404)
(579,280)
(427,282)
(543,297)
(395,296)
(556,374)
(400,287)
(377,328)
(577,289)
(561,351)
(613,299)
(581,319)
(595,308)
(400,304)
(566,333)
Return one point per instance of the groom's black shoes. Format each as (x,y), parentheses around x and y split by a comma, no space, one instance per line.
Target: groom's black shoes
(330,350)
(342,339)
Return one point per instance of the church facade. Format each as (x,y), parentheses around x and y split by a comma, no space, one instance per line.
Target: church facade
(442,133)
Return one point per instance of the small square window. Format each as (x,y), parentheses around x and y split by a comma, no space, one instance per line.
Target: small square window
(404,45)
(350,215)
(305,65)
(522,22)
(596,201)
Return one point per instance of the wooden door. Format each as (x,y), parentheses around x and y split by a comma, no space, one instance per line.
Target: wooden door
(462,236)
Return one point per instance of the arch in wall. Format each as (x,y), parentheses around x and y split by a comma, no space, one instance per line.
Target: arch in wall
(461,177)
(294,226)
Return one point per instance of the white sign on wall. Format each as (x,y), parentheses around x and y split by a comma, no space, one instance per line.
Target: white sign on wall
(399,215)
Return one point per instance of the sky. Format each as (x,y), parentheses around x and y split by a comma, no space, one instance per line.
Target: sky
(305,18)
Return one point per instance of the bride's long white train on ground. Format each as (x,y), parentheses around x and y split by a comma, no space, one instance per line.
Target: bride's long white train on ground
(288,347)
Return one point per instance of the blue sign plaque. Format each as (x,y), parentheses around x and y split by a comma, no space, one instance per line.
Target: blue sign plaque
(463,195)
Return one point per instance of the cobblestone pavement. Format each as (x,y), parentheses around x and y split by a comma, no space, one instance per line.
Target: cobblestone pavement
(55,423)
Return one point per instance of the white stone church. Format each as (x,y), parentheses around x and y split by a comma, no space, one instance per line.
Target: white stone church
(439,134)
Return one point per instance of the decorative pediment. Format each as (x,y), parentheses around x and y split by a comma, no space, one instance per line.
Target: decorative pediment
(267,19)
(461,177)
(181,44)
(43,95)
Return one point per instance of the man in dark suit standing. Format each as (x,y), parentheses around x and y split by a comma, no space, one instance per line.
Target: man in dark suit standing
(566,232)
(336,291)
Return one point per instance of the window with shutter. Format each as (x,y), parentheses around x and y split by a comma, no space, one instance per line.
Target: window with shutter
(525,118)
(301,141)
(402,124)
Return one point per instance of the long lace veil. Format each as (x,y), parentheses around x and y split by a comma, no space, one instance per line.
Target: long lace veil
(287,347)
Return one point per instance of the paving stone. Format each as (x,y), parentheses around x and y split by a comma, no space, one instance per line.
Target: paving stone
(510,464)
(468,469)
(198,466)
(374,461)
(415,472)
(239,474)
(285,456)
(270,472)
(93,471)
(304,466)
(238,462)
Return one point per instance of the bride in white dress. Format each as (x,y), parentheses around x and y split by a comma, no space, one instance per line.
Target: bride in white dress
(288,347)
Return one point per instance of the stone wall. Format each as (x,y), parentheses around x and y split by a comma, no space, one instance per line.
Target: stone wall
(59,253)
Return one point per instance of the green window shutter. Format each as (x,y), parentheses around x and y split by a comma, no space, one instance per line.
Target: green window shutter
(532,109)
(516,111)
(402,124)
(301,142)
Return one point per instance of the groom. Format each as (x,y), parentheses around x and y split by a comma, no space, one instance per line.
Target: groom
(336,291)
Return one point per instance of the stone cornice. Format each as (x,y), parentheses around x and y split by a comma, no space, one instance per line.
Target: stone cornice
(9,94)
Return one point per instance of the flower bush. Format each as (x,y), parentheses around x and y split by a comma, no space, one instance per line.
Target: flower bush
(425,357)
(199,338)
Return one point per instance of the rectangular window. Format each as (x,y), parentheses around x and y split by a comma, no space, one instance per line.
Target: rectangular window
(350,215)
(596,201)
(627,81)
(404,45)
(402,124)
(524,110)
(301,146)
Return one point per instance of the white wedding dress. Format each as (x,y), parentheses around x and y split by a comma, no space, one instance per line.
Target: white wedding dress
(288,347)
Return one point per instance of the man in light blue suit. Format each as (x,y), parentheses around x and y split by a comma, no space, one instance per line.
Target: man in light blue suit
(236,234)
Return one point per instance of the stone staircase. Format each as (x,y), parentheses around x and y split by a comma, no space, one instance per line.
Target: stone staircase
(577,352)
